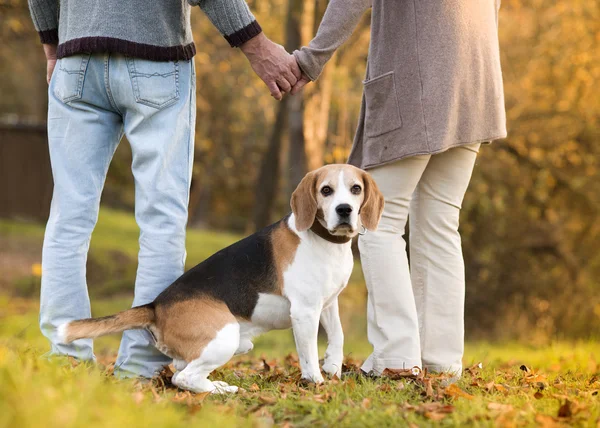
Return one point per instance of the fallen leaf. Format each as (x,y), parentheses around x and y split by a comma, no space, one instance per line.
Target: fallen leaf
(565,410)
(254,387)
(266,366)
(493,386)
(433,407)
(538,395)
(318,398)
(396,374)
(455,392)
(545,421)
(428,388)
(199,397)
(504,408)
(267,399)
(384,388)
(435,416)
(366,403)
(474,368)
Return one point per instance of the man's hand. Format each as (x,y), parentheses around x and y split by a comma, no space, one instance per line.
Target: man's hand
(272,64)
(50,51)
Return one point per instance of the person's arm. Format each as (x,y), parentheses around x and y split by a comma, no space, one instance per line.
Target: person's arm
(232,18)
(44,14)
(269,60)
(339,21)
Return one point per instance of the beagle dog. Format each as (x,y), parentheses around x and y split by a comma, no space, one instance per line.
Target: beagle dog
(287,275)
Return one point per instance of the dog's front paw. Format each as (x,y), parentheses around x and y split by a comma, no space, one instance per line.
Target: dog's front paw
(313,377)
(333,368)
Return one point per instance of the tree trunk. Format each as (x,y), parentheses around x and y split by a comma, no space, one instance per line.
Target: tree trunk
(297,165)
(268,179)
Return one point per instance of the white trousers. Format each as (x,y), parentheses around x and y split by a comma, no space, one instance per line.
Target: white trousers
(416,316)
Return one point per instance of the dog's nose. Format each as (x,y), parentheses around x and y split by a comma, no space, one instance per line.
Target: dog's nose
(343,210)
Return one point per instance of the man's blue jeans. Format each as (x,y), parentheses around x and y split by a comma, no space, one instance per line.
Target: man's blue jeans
(93,101)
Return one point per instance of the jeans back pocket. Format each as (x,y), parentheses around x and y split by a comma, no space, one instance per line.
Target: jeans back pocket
(154,83)
(382,113)
(70,76)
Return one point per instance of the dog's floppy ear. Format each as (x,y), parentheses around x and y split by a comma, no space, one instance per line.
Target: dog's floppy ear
(372,207)
(304,202)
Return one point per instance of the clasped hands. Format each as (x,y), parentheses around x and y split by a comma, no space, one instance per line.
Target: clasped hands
(275,66)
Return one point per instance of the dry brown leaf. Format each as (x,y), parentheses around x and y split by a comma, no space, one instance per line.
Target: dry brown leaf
(499,407)
(201,396)
(319,398)
(384,388)
(493,386)
(435,416)
(474,369)
(538,395)
(565,410)
(254,387)
(396,374)
(433,407)
(545,421)
(194,408)
(267,399)
(428,387)
(455,392)
(366,403)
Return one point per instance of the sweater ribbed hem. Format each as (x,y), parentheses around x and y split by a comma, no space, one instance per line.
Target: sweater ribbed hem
(125,47)
(49,37)
(242,36)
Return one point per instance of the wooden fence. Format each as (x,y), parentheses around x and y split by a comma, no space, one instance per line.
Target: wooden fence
(25,175)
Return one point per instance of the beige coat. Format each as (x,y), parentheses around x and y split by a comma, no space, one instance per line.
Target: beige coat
(433,76)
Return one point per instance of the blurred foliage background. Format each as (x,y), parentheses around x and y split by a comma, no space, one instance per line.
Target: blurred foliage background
(530,222)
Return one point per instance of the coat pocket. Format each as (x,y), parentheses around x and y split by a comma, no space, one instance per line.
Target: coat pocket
(70,75)
(382,113)
(154,83)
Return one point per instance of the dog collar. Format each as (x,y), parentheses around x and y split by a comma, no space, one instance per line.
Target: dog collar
(320,231)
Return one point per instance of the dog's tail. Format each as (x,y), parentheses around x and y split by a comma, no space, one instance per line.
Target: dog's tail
(138,317)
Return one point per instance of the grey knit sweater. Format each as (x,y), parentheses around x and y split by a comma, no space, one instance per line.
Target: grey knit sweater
(158,30)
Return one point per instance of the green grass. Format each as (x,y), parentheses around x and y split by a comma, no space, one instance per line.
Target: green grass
(118,231)
(37,392)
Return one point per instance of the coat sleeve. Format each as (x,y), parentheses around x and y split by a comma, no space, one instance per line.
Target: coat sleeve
(339,21)
(44,14)
(232,18)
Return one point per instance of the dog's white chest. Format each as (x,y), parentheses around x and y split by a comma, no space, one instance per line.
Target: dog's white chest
(312,281)
(318,273)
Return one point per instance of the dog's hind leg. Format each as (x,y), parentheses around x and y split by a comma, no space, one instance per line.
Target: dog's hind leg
(217,352)
(179,366)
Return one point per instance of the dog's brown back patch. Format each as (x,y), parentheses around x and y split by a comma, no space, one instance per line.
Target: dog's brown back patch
(184,328)
(285,243)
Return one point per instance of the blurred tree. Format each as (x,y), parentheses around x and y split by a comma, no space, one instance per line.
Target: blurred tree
(530,220)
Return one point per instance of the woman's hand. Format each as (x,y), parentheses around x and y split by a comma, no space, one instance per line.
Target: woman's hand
(301,83)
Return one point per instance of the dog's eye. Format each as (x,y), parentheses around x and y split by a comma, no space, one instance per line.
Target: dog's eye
(326,191)
(356,189)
